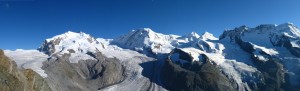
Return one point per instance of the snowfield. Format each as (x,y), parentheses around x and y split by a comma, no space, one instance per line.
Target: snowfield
(28,59)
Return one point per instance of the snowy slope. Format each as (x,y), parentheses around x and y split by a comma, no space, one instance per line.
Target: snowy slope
(28,59)
(64,43)
(143,39)
(267,41)
(222,53)
(271,41)
(75,44)
(147,41)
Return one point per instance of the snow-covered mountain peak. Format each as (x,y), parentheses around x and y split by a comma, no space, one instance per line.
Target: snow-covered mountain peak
(208,36)
(70,35)
(143,32)
(145,38)
(288,29)
(148,30)
(264,30)
(285,24)
(69,42)
(193,34)
(190,37)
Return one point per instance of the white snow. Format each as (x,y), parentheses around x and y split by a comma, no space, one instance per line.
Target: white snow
(269,51)
(288,28)
(79,42)
(238,71)
(194,34)
(113,51)
(261,39)
(195,53)
(295,43)
(75,57)
(208,36)
(146,38)
(28,59)
(158,43)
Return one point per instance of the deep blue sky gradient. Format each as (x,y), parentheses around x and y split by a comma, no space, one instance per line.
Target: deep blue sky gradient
(26,23)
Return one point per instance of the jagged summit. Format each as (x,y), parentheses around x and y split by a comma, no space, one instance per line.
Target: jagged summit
(144,30)
(285,29)
(288,28)
(193,34)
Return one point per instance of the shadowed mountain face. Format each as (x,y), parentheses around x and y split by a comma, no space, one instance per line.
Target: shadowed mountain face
(267,53)
(13,79)
(264,58)
(198,77)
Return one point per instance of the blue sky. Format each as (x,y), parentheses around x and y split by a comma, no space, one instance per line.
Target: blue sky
(26,23)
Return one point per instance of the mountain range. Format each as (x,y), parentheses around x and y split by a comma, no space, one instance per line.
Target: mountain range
(263,58)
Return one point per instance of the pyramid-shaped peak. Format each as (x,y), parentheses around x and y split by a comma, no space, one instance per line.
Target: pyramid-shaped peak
(143,31)
(207,35)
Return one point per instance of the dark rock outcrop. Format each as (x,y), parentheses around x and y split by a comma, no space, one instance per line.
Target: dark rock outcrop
(49,47)
(200,77)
